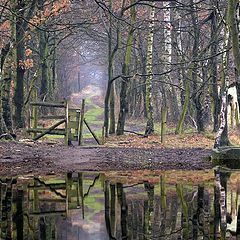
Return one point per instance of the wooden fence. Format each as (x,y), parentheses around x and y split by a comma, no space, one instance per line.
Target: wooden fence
(69,121)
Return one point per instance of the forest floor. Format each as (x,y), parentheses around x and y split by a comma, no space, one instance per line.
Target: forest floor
(129,152)
(189,151)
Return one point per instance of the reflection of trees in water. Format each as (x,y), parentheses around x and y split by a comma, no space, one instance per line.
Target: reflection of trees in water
(141,211)
(181,212)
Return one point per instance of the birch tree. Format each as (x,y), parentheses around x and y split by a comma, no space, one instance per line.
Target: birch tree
(214,66)
(149,102)
(194,77)
(234,25)
(222,134)
(167,54)
(168,100)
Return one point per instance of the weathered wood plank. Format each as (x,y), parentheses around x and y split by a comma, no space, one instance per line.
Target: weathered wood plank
(52,117)
(48,104)
(67,130)
(103,135)
(80,127)
(49,129)
(42,214)
(59,131)
(61,200)
(55,186)
(34,115)
(78,110)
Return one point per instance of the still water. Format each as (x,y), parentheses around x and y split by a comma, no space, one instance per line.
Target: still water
(122,205)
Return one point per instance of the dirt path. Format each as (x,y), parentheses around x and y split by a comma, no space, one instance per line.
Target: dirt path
(42,158)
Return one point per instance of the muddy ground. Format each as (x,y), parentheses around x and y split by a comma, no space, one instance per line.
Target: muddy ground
(48,158)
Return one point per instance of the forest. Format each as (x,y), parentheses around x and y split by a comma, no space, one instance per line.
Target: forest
(159,61)
(119,119)
(163,62)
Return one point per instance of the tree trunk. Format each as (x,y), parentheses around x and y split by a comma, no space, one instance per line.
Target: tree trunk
(4,53)
(125,72)
(54,72)
(206,96)
(142,89)
(112,109)
(110,93)
(19,90)
(163,123)
(232,23)
(196,93)
(213,69)
(222,134)
(43,52)
(21,26)
(6,104)
(179,129)
(167,55)
(149,101)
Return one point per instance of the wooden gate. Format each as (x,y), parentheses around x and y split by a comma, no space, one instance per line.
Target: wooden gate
(69,121)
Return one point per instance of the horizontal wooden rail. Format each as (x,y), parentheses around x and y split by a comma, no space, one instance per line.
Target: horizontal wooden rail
(60,200)
(74,109)
(59,131)
(52,117)
(61,186)
(53,213)
(47,104)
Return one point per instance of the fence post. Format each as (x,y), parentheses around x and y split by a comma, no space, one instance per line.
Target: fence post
(81,123)
(66,123)
(103,135)
(34,114)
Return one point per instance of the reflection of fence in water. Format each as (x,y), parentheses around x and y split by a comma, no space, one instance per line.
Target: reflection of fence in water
(141,211)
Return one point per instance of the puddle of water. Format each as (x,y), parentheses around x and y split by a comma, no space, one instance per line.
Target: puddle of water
(138,205)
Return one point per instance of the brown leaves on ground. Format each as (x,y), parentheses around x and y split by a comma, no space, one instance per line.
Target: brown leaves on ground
(187,140)
(191,140)
(173,141)
(134,141)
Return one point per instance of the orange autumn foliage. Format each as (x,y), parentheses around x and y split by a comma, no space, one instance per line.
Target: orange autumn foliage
(50,10)
(26,64)
(28,52)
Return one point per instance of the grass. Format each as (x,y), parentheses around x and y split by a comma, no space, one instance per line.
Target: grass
(93,114)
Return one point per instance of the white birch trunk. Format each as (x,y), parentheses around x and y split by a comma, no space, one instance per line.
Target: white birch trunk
(167,60)
(222,134)
(167,57)
(149,100)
